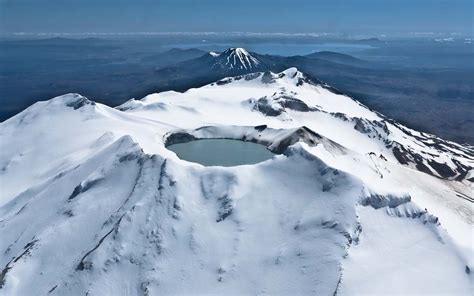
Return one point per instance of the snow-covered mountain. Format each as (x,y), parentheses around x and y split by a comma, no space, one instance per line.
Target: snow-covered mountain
(235,58)
(92,202)
(212,66)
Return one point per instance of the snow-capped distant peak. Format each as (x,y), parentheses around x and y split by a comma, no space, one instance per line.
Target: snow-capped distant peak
(214,54)
(236,58)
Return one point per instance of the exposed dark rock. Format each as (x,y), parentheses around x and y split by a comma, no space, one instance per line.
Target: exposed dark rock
(340,116)
(252,76)
(379,201)
(294,104)
(161,181)
(179,137)
(226,208)
(302,134)
(79,102)
(326,187)
(224,81)
(361,126)
(87,265)
(331,89)
(267,77)
(264,107)
(442,169)
(130,156)
(69,213)
(27,248)
(357,233)
(383,125)
(219,187)
(3,274)
(420,165)
(83,187)
(52,289)
(21,209)
(401,155)
(329,224)
(464,196)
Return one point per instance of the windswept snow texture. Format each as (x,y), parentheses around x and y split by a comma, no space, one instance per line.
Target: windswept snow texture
(93,203)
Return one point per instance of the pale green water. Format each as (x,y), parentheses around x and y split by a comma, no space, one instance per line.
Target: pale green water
(221,152)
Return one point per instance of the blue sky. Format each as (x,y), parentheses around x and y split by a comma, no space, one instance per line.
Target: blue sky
(289,16)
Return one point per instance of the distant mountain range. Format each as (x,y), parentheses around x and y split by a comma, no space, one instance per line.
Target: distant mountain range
(173,56)
(213,66)
(340,58)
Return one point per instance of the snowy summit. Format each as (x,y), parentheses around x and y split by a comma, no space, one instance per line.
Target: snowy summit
(236,58)
(93,203)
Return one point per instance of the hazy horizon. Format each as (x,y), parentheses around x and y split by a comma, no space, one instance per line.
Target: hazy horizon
(369,17)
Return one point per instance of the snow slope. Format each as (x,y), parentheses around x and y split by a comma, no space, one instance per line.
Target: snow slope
(91,201)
